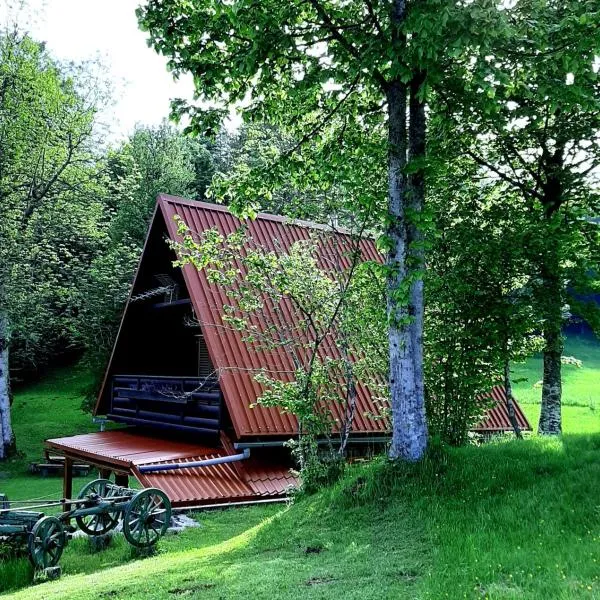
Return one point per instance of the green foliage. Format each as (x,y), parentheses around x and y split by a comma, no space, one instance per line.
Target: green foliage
(523,104)
(326,73)
(479,292)
(153,160)
(256,171)
(320,467)
(511,170)
(49,197)
(303,151)
(74,215)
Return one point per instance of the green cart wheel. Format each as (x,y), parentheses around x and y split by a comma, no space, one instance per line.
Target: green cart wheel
(147,517)
(47,541)
(103,522)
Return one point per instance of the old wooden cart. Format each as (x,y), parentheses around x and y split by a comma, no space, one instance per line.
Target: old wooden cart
(98,508)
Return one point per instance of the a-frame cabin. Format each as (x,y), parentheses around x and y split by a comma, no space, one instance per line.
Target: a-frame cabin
(184,384)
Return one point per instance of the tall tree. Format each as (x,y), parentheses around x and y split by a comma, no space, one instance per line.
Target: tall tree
(152,160)
(530,118)
(46,161)
(316,68)
(251,151)
(480,314)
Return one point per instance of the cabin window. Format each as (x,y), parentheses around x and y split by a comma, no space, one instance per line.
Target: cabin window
(205,366)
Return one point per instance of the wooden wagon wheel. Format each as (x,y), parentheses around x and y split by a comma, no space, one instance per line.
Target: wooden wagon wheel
(46,542)
(102,522)
(147,517)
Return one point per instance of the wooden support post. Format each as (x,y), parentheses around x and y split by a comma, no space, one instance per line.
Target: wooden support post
(68,482)
(122,479)
(104,473)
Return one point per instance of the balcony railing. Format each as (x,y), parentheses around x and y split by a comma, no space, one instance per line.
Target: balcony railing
(189,404)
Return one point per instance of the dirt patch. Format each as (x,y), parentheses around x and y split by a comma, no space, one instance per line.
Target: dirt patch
(110,594)
(320,580)
(188,590)
(409,575)
(314,549)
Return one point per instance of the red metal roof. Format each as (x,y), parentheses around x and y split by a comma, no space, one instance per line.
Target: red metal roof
(236,360)
(247,480)
(496,418)
(259,477)
(126,447)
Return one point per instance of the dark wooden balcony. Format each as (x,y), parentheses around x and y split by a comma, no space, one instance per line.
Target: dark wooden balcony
(187,404)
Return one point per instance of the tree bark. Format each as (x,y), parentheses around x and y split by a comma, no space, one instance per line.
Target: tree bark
(409,428)
(510,401)
(7,438)
(350,404)
(552,290)
(550,415)
(416,202)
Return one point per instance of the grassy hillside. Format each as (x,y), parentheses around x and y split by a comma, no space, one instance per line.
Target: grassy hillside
(508,520)
(505,520)
(581,385)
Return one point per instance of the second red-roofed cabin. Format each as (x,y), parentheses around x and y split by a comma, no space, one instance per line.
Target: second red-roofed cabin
(184,385)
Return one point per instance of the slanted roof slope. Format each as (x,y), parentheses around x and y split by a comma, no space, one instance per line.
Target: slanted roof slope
(236,361)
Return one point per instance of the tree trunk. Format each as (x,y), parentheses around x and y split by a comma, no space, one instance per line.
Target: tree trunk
(350,404)
(552,292)
(416,203)
(550,415)
(7,438)
(409,428)
(510,401)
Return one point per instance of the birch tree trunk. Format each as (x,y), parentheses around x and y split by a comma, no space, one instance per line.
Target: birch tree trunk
(550,414)
(409,428)
(7,438)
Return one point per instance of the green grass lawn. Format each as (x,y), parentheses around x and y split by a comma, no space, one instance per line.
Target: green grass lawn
(581,386)
(507,520)
(47,409)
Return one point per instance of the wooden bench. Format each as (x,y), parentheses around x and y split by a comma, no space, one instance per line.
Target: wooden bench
(55,465)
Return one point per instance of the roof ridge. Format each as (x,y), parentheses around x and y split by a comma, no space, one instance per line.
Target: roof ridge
(262,216)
